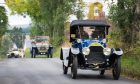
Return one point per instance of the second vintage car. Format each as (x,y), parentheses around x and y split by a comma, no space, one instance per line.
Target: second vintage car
(41,46)
(89,50)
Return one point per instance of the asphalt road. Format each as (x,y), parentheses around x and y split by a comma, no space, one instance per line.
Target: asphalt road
(49,71)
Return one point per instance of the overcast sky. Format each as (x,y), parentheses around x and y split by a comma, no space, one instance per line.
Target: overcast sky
(20,20)
(15,19)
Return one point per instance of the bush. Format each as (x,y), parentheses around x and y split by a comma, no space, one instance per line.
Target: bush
(131,63)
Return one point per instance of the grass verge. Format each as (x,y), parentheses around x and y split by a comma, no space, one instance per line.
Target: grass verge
(131,67)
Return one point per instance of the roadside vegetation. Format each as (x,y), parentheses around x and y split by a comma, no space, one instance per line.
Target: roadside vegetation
(3,29)
(125,18)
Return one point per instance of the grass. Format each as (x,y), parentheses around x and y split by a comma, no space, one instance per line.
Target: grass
(56,53)
(2,57)
(131,67)
(27,53)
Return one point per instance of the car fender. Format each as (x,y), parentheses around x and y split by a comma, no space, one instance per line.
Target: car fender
(115,54)
(117,51)
(75,51)
(64,54)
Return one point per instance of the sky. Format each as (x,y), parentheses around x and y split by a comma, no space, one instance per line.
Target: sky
(15,20)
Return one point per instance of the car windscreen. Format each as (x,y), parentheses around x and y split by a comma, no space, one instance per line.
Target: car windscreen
(38,40)
(90,32)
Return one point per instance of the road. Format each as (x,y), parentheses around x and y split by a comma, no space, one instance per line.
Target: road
(49,71)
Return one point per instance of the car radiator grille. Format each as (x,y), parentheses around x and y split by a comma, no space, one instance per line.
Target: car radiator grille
(42,48)
(96,55)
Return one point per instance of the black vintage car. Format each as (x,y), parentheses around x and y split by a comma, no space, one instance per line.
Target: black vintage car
(89,49)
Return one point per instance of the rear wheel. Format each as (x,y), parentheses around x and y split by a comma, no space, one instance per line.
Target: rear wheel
(65,69)
(74,67)
(117,69)
(102,72)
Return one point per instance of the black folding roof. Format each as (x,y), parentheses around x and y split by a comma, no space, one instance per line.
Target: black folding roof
(100,23)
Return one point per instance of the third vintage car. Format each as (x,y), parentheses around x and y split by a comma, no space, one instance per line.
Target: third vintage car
(89,50)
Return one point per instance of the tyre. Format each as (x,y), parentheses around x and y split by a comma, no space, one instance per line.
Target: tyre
(9,56)
(74,67)
(116,69)
(102,72)
(65,69)
(33,53)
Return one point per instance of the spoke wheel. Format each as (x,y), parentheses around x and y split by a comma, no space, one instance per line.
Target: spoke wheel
(65,69)
(34,54)
(74,67)
(102,72)
(117,69)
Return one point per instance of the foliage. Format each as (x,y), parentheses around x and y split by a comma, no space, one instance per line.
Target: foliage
(3,22)
(131,59)
(17,36)
(27,53)
(125,16)
(48,16)
(6,44)
(92,9)
(78,9)
(3,28)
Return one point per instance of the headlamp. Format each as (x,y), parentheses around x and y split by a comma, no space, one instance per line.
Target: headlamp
(104,40)
(86,51)
(107,51)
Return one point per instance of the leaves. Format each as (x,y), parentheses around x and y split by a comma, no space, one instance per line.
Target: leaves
(3,22)
(125,16)
(48,16)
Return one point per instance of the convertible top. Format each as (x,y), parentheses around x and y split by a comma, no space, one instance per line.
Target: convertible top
(100,23)
(97,23)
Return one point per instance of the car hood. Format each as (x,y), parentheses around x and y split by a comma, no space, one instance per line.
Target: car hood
(88,43)
(42,44)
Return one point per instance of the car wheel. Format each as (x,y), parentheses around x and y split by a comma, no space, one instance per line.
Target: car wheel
(65,69)
(74,67)
(102,72)
(117,69)
(9,56)
(34,54)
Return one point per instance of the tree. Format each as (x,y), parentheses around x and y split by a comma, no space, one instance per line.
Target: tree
(3,22)
(48,16)
(126,17)
(95,9)
(6,44)
(78,9)
(17,36)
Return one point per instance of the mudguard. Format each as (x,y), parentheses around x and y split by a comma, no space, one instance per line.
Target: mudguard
(117,51)
(75,51)
(64,54)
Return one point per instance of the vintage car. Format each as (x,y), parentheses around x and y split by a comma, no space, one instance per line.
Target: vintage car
(89,49)
(41,46)
(15,53)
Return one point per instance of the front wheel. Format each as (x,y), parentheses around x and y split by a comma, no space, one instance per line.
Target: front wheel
(116,69)
(65,69)
(74,67)
(33,54)
(102,72)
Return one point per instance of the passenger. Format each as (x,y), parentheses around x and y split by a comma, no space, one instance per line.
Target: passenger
(85,35)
